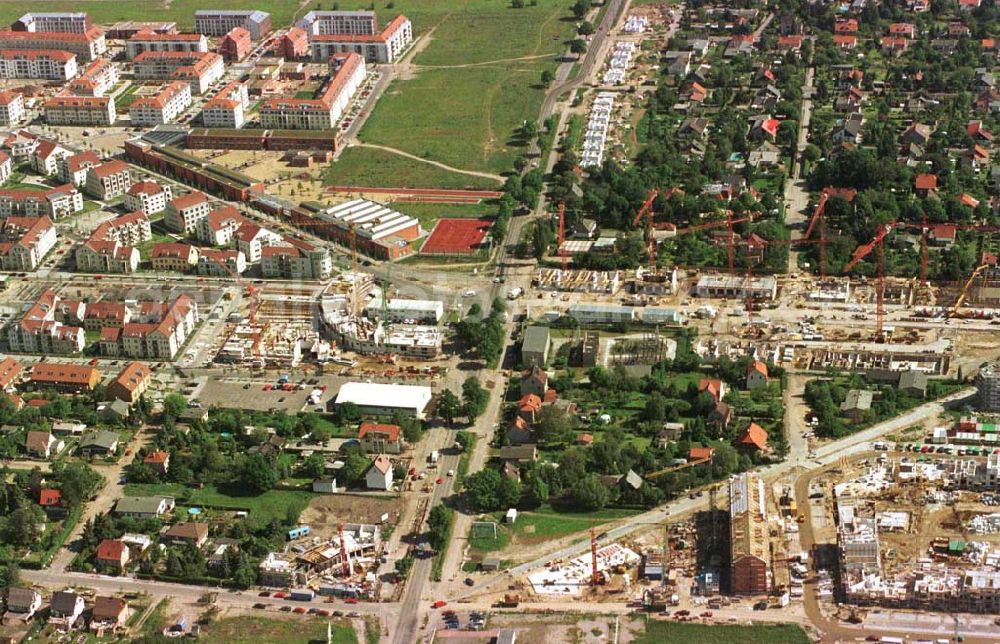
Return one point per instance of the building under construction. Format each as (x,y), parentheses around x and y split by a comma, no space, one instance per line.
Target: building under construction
(750,569)
(578,281)
(347,560)
(877,363)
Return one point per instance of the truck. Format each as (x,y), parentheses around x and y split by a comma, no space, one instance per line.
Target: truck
(433,457)
(515,293)
(302,595)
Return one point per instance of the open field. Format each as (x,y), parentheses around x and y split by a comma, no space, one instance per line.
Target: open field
(371,167)
(663,631)
(429,213)
(273,504)
(294,629)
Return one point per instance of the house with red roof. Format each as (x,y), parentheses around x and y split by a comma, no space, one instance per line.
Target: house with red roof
(158,461)
(753,439)
(847,26)
(113,554)
(529,406)
(49,498)
(519,432)
(108,180)
(377,438)
(926,184)
(756,375)
(976,130)
(845,43)
(942,235)
(715,387)
(379,475)
(700,454)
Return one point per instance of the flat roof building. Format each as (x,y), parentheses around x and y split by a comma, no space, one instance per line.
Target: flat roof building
(377,399)
(219,22)
(407,311)
(62,21)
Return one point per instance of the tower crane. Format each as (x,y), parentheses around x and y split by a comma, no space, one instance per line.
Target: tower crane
(646,210)
(863,251)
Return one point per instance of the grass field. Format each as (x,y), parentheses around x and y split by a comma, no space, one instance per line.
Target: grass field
(428,213)
(662,631)
(271,504)
(546,523)
(287,631)
(370,167)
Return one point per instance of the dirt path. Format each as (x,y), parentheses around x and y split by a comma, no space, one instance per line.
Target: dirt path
(485,62)
(471,173)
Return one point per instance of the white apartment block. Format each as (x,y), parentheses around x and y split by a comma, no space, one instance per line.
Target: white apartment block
(6,167)
(384,47)
(221,263)
(219,22)
(97,79)
(73,168)
(11,108)
(325,23)
(72,22)
(95,256)
(295,259)
(87,46)
(38,331)
(320,113)
(149,40)
(200,69)
(43,64)
(54,203)
(148,197)
(165,107)
(131,229)
(219,227)
(80,110)
(228,108)
(46,157)
(184,212)
(155,332)
(108,180)
(251,240)
(25,241)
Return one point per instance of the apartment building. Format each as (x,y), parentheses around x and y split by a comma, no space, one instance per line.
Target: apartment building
(11,108)
(76,22)
(200,69)
(88,45)
(228,108)
(42,64)
(325,23)
(251,240)
(25,241)
(219,22)
(988,387)
(172,256)
(219,226)
(131,228)
(149,40)
(383,47)
(73,167)
(80,110)
(106,256)
(295,259)
(97,79)
(108,180)
(148,197)
(235,45)
(221,263)
(168,104)
(156,333)
(38,330)
(184,212)
(46,157)
(319,113)
(52,203)
(6,167)
(294,44)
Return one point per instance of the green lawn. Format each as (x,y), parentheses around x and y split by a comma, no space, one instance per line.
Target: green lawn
(271,504)
(481,543)
(260,629)
(664,631)
(429,213)
(547,523)
(369,167)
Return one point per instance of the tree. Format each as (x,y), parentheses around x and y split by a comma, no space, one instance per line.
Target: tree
(449,406)
(586,28)
(355,466)
(534,493)
(314,466)
(174,405)
(547,77)
(483,490)
(509,492)
(589,494)
(77,482)
(257,474)
(465,439)
(553,426)
(474,398)
(580,8)
(577,46)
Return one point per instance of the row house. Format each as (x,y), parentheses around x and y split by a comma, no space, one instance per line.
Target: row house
(106,256)
(25,241)
(173,256)
(148,197)
(97,79)
(53,203)
(221,262)
(80,110)
(42,64)
(131,383)
(108,180)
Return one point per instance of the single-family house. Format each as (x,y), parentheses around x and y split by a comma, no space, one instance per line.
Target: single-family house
(188,532)
(112,554)
(379,475)
(756,375)
(42,444)
(109,614)
(376,438)
(857,403)
(753,439)
(101,443)
(534,381)
(65,608)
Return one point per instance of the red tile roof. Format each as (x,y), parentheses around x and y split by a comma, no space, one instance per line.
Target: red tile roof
(754,435)
(111,550)
(48,497)
(367,428)
(926,182)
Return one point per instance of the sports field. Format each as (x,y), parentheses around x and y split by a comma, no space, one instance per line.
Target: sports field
(456,236)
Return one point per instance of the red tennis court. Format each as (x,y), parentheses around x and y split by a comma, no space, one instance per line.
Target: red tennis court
(456,236)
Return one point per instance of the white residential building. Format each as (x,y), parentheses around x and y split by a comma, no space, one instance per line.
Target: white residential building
(200,69)
(228,108)
(108,180)
(219,226)
(148,197)
(97,79)
(383,47)
(149,40)
(184,212)
(44,64)
(251,239)
(80,110)
(11,108)
(54,203)
(25,241)
(73,167)
(46,157)
(219,22)
(165,107)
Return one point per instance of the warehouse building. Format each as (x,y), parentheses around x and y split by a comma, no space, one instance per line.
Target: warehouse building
(377,399)
(601,313)
(219,22)
(380,231)
(748,535)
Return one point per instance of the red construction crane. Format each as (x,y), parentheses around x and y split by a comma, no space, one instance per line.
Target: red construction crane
(646,210)
(564,258)
(817,218)
(863,251)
